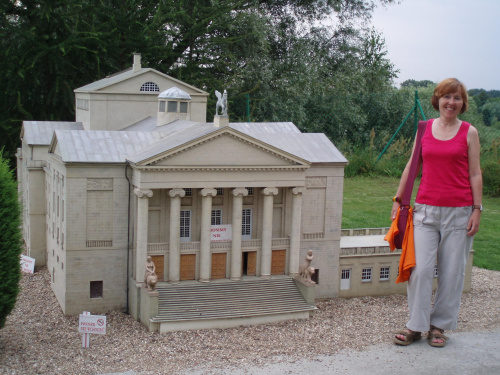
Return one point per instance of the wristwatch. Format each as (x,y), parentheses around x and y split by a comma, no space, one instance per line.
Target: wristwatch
(477,207)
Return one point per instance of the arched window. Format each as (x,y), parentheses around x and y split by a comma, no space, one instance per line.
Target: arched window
(150,87)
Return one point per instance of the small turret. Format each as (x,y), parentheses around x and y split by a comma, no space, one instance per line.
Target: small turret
(173,104)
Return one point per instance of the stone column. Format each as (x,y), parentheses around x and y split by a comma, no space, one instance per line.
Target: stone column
(174,253)
(267,232)
(236,255)
(206,221)
(293,265)
(141,252)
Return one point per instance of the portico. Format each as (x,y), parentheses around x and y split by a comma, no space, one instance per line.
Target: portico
(199,202)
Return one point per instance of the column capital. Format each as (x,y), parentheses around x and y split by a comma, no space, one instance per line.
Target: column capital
(177,192)
(208,191)
(240,191)
(143,193)
(298,190)
(269,191)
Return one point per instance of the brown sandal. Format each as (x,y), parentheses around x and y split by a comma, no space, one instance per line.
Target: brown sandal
(409,335)
(432,334)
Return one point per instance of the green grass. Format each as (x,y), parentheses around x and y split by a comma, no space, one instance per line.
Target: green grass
(367,204)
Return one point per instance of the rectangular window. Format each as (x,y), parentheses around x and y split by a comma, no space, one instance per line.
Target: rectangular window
(250,190)
(96,289)
(185,226)
(183,107)
(220,191)
(366,275)
(246,224)
(189,192)
(172,107)
(216,217)
(384,273)
(345,279)
(162,107)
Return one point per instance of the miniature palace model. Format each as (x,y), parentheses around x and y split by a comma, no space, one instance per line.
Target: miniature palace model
(143,206)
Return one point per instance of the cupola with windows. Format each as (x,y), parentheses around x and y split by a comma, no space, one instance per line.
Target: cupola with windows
(173,104)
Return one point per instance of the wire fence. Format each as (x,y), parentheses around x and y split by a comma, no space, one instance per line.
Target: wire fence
(383,123)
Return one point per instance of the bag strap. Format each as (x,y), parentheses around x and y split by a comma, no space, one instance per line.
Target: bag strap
(417,154)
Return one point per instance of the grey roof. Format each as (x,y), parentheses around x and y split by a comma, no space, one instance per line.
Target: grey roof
(108,81)
(98,146)
(125,75)
(174,140)
(313,147)
(144,140)
(174,93)
(267,127)
(40,132)
(149,125)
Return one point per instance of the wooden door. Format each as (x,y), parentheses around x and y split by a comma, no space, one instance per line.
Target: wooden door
(249,264)
(188,266)
(278,262)
(218,266)
(159,261)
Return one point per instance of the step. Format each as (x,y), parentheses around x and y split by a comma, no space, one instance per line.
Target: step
(229,300)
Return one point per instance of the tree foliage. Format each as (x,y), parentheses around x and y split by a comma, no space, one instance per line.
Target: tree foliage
(10,241)
(267,49)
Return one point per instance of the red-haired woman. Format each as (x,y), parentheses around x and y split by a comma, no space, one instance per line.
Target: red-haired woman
(446,216)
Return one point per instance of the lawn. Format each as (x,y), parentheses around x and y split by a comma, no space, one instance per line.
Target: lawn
(367,204)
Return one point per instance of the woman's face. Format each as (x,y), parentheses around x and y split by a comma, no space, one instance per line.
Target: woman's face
(450,105)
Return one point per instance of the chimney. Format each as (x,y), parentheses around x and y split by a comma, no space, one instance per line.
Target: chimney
(137,62)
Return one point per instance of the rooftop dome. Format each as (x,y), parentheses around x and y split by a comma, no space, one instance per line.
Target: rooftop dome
(174,93)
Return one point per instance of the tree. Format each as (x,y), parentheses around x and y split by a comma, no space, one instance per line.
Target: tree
(413,83)
(50,47)
(10,241)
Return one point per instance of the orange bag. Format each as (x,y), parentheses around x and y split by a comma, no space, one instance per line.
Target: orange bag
(407,259)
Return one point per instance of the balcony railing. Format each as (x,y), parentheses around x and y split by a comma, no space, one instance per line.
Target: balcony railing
(253,244)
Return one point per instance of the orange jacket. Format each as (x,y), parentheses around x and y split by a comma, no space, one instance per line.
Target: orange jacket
(407,259)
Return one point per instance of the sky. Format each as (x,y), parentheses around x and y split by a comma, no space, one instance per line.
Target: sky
(437,39)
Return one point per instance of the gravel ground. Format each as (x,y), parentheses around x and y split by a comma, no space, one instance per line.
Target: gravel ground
(39,339)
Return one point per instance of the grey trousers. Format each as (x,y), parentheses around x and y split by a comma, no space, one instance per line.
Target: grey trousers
(440,235)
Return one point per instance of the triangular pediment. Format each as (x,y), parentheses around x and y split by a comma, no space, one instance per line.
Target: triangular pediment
(131,82)
(226,148)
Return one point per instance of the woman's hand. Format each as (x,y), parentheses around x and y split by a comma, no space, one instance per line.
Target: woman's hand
(473,225)
(394,210)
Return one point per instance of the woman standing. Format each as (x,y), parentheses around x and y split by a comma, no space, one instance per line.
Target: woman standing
(446,216)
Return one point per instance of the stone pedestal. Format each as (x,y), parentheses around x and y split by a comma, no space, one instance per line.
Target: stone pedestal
(149,307)
(307,289)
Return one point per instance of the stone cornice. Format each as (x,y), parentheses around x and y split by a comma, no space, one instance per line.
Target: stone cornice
(162,168)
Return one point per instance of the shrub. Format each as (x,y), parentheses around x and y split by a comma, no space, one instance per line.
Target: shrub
(491,178)
(10,241)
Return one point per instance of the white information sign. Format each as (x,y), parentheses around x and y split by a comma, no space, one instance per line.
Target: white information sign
(221,233)
(92,324)
(27,264)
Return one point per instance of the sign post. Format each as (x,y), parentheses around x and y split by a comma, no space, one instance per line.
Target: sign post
(27,264)
(91,324)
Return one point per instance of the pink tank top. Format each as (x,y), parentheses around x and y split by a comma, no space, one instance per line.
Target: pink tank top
(445,170)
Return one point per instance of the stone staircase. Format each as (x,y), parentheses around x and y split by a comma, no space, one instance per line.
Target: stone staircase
(225,304)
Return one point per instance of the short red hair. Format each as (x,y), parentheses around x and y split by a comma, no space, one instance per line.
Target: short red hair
(447,86)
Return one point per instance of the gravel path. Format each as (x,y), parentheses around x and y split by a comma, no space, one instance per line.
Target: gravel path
(39,339)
